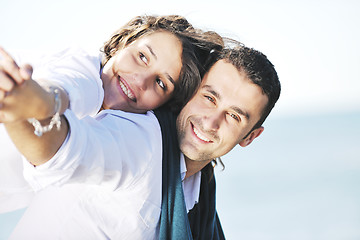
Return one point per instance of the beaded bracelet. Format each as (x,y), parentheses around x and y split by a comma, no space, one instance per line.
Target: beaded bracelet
(55,120)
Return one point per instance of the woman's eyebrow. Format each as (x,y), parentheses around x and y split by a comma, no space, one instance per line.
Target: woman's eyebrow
(151,51)
(170,78)
(166,74)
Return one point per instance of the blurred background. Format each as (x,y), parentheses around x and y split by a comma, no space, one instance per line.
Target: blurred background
(300,179)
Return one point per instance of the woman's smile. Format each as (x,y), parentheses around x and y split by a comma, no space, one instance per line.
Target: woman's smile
(142,76)
(124,87)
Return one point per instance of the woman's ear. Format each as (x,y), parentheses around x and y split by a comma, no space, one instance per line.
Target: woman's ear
(254,134)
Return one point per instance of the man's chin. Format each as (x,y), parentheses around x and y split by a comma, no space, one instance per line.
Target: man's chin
(197,156)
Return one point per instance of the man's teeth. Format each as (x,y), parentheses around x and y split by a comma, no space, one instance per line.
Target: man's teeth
(126,91)
(199,135)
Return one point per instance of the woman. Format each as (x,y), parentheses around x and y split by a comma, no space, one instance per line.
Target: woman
(75,70)
(107,170)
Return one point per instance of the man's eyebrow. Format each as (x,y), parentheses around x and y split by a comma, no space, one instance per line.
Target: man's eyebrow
(151,51)
(241,112)
(235,108)
(212,91)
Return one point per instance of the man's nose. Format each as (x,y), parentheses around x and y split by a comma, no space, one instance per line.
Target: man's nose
(213,119)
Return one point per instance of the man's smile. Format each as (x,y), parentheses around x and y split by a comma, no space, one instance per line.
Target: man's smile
(200,135)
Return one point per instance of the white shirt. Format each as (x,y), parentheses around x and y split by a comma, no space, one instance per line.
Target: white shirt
(91,172)
(76,71)
(15,192)
(105,181)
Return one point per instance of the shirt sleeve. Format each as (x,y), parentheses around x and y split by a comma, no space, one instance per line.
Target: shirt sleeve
(111,150)
(73,69)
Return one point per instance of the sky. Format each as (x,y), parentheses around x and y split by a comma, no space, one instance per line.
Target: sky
(313,44)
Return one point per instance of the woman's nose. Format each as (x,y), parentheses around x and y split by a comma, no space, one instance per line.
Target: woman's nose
(143,80)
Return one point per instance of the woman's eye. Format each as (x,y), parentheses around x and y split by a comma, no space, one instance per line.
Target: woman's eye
(143,58)
(160,83)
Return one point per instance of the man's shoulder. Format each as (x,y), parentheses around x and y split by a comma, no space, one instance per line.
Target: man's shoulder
(166,118)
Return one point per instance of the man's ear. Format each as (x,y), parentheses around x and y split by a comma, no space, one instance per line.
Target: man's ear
(254,134)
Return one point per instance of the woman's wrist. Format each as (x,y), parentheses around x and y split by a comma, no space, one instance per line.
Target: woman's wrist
(48,110)
(55,121)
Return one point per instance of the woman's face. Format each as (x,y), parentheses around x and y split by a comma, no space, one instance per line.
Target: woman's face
(141,76)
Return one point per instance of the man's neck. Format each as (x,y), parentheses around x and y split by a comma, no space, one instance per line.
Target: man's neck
(194,166)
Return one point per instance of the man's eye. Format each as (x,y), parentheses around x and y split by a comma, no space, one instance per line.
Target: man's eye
(210,99)
(234,116)
(143,58)
(160,83)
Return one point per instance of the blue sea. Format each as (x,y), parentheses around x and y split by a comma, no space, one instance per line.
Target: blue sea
(298,180)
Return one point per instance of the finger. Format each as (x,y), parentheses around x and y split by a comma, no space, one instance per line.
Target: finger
(10,67)
(26,71)
(5,55)
(6,83)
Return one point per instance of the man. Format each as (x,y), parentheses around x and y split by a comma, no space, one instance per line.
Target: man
(234,99)
(227,110)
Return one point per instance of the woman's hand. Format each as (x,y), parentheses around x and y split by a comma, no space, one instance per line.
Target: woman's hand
(11,74)
(28,100)
(20,96)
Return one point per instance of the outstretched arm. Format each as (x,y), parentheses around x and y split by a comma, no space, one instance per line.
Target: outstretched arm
(22,98)
(37,101)
(37,150)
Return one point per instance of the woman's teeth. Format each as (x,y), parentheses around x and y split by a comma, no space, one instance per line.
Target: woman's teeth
(127,92)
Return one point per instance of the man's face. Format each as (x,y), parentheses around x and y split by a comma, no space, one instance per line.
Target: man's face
(221,114)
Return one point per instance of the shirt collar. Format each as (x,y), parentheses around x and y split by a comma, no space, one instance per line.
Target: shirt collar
(191,185)
(183,168)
